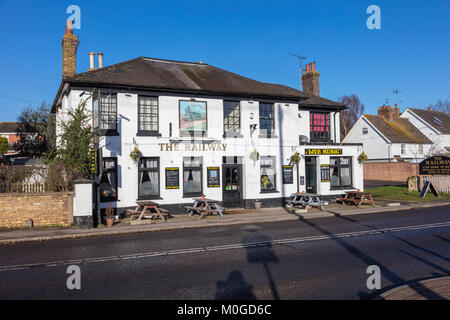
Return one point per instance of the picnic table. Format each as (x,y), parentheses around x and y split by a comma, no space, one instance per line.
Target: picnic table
(305,200)
(204,207)
(146,209)
(356,198)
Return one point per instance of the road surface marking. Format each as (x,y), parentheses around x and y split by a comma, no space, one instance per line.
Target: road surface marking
(224,247)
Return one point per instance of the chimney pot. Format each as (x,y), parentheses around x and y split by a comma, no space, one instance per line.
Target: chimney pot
(313,66)
(308,68)
(91,61)
(69,26)
(100,60)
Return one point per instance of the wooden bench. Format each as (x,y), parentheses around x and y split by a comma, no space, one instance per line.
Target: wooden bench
(356,198)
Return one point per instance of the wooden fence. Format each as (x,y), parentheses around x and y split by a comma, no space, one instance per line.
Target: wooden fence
(441,183)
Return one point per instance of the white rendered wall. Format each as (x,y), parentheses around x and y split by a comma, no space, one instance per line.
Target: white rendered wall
(288,127)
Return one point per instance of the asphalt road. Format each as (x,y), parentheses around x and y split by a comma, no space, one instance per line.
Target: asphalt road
(324,258)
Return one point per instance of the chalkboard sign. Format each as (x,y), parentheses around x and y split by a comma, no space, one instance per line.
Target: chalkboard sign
(288,174)
(213,177)
(428,186)
(172,178)
(435,166)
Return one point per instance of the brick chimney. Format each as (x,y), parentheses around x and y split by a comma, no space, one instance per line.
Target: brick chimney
(310,79)
(386,112)
(69,44)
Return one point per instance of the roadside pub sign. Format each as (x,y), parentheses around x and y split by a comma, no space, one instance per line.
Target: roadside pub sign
(435,166)
(320,152)
(92,164)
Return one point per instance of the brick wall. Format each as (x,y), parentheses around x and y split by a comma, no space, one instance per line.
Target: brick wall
(390,171)
(45,209)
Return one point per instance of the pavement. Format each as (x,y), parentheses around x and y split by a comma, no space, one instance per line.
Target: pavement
(430,289)
(178,222)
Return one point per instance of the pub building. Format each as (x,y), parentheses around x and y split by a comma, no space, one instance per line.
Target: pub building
(171,130)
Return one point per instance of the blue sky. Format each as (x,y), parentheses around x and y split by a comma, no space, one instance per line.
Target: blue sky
(251,38)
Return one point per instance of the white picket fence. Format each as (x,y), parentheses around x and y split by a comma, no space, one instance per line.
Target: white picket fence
(441,183)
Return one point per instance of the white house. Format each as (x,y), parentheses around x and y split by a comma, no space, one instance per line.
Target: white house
(388,138)
(202,130)
(434,125)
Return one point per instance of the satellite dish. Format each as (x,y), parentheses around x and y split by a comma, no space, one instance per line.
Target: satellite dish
(303,139)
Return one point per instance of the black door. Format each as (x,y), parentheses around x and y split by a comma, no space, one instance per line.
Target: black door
(232,190)
(310,174)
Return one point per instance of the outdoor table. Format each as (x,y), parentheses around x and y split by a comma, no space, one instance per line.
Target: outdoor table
(305,200)
(153,211)
(205,207)
(356,198)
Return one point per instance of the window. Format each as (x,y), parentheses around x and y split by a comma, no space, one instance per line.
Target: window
(148,184)
(192,176)
(341,172)
(319,126)
(231,116)
(268,174)
(266,117)
(108,180)
(437,121)
(403,148)
(148,114)
(108,113)
(365,131)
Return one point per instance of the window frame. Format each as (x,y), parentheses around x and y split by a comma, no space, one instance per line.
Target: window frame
(274,182)
(313,136)
(193,194)
(339,166)
(158,168)
(233,131)
(365,130)
(104,170)
(402,148)
(265,131)
(141,132)
(102,121)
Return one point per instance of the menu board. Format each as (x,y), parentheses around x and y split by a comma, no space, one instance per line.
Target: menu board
(288,174)
(213,177)
(172,178)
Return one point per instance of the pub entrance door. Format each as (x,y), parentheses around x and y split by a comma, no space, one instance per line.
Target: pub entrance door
(232,185)
(311,174)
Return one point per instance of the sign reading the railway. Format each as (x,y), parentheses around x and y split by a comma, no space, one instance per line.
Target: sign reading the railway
(435,166)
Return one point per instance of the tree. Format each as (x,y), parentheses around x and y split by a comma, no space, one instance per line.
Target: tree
(36,131)
(442,106)
(349,116)
(3,145)
(76,140)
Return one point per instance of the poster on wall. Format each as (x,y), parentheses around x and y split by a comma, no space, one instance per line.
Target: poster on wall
(213,177)
(325,172)
(193,119)
(288,174)
(172,178)
(96,110)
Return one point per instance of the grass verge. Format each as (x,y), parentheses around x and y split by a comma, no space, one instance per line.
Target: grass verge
(398,193)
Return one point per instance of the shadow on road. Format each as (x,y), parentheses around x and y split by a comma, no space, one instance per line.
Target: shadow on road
(259,250)
(234,288)
(398,281)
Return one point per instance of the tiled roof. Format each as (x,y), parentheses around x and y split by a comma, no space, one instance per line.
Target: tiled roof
(399,130)
(157,74)
(443,123)
(8,127)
